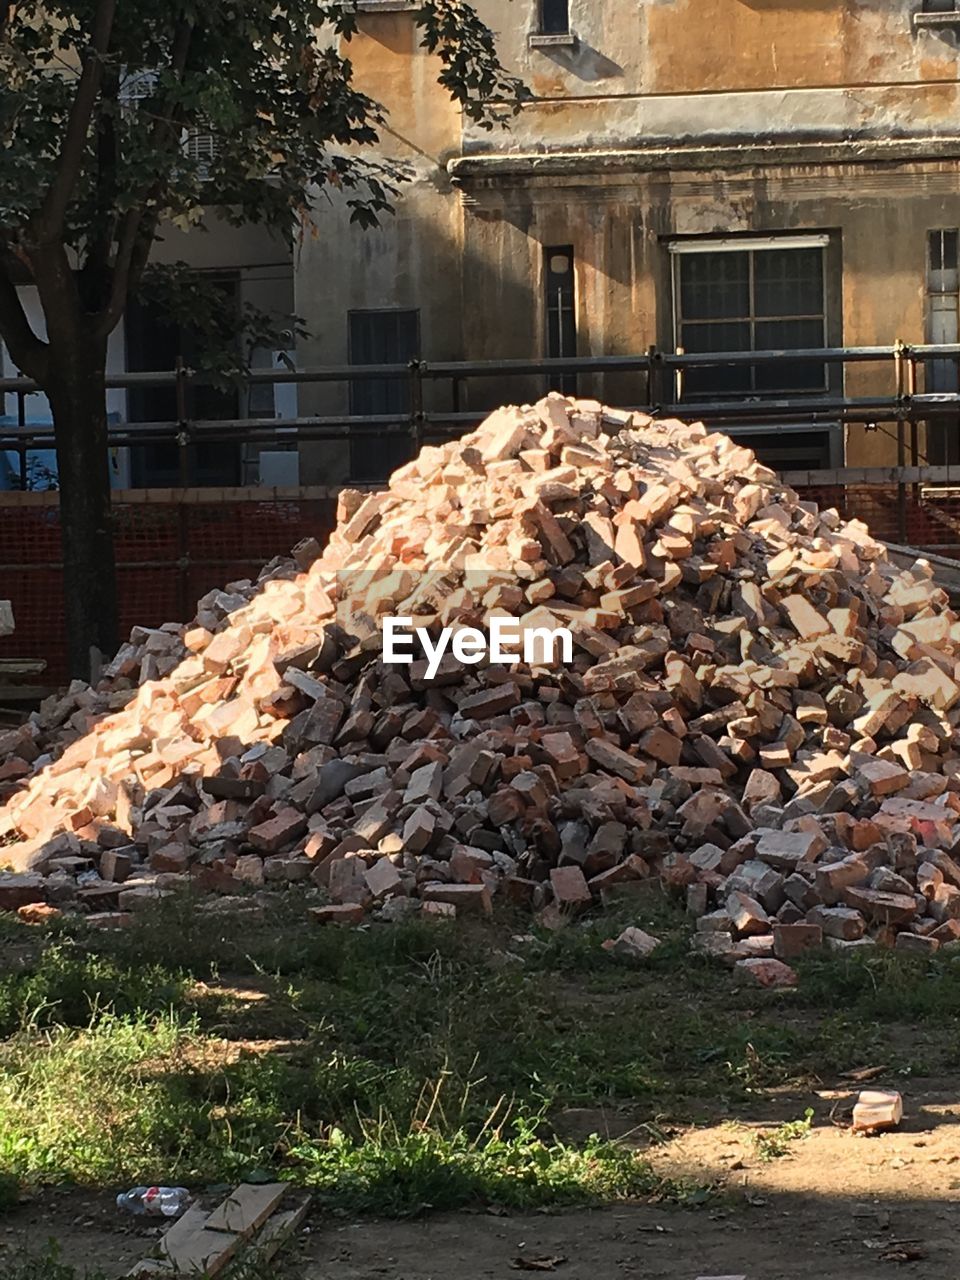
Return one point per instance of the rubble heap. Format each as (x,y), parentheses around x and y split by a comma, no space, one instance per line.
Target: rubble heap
(761,709)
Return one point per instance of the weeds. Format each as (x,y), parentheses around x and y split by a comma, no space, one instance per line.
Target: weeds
(414,1064)
(776,1143)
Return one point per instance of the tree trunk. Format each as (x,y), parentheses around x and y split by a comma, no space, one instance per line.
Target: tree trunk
(77,397)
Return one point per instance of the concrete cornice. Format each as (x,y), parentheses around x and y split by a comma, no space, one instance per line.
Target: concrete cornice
(688,157)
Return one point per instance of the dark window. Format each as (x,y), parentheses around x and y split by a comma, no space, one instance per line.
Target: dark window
(381,337)
(940,6)
(943,299)
(554,17)
(764,299)
(789,450)
(154,341)
(941,256)
(561,310)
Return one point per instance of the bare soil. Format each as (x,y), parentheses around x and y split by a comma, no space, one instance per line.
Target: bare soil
(836,1205)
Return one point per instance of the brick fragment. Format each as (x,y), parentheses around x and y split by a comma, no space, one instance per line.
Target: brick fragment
(877,1109)
(337,913)
(570,886)
(278,832)
(467,898)
(765,972)
(792,940)
(632,944)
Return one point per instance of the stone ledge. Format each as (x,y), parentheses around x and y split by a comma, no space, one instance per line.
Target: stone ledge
(560,40)
(936,20)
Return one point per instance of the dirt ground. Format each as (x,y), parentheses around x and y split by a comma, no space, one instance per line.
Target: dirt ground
(836,1206)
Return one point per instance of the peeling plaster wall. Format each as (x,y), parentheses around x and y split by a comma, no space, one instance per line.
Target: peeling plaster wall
(413,260)
(804,102)
(672,69)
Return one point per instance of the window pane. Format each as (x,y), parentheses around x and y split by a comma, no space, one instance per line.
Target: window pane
(789,450)
(788,282)
(943,250)
(554,17)
(382,337)
(374,458)
(786,335)
(714,286)
(559,282)
(722,380)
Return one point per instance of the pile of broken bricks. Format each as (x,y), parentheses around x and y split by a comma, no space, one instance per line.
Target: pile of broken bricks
(761,711)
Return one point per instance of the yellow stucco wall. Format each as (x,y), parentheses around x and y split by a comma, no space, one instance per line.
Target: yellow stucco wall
(789,75)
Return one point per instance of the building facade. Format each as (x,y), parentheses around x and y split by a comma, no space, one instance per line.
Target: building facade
(251,266)
(704,175)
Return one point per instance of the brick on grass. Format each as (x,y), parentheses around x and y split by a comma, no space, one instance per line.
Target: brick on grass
(765,972)
(792,940)
(18,890)
(917,944)
(337,913)
(470,899)
(877,1109)
(632,944)
(570,887)
(438,910)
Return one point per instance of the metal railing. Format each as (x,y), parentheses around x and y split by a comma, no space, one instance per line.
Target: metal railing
(660,391)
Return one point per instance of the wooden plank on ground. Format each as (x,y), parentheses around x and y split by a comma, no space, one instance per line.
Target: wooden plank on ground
(277,1230)
(193,1249)
(192,1220)
(246,1207)
(205,1253)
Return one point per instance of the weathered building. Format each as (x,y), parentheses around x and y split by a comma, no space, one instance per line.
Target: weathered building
(712,175)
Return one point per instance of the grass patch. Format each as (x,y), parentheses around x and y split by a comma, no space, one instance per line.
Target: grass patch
(70,987)
(775,1144)
(391,1174)
(419,1063)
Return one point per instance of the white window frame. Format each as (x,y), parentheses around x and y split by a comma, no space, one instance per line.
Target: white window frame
(733,244)
(741,244)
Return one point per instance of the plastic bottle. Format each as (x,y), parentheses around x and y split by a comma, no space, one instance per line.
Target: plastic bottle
(157,1202)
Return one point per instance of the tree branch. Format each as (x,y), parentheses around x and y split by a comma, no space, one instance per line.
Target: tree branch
(59,291)
(98,251)
(8,13)
(28,352)
(54,211)
(135,239)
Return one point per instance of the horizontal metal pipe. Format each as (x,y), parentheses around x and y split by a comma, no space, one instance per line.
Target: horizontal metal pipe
(436,369)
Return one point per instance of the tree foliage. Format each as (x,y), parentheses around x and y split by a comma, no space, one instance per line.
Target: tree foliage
(97,98)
